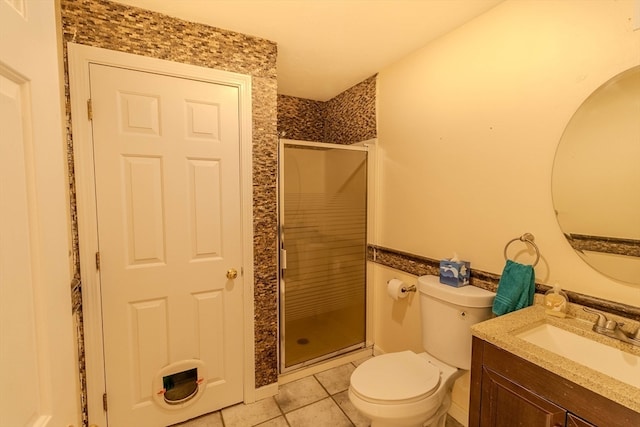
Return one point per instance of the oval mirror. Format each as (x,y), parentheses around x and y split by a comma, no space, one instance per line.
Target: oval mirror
(596,178)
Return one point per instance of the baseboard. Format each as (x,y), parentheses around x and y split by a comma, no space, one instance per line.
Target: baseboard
(460,415)
(266,391)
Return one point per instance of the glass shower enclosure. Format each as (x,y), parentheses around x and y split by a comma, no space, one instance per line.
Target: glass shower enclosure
(323,238)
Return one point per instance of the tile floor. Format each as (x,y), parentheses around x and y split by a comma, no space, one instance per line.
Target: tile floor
(318,400)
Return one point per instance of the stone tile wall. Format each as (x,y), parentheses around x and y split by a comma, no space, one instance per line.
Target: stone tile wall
(300,119)
(348,118)
(114,26)
(351,116)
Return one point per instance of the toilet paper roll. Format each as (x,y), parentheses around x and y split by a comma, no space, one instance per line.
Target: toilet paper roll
(394,289)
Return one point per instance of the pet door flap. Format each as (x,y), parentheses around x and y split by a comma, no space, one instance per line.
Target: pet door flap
(181,386)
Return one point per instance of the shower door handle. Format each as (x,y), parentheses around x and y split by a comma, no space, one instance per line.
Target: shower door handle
(232,273)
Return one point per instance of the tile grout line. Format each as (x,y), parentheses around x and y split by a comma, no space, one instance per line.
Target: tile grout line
(342,410)
(282,413)
(315,401)
(331,395)
(328,395)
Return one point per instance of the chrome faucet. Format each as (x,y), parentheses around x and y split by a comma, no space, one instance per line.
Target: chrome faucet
(611,328)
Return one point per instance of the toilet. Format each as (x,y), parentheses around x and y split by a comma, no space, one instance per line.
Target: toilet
(405,389)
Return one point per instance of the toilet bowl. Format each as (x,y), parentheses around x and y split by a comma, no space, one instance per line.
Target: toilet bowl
(405,389)
(402,389)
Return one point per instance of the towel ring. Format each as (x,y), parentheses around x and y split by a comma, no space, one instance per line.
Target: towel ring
(527,238)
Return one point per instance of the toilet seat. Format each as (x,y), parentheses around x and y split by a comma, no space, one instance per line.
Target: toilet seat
(393,378)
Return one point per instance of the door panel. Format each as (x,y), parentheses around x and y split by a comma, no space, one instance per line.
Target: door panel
(204,204)
(37,349)
(19,346)
(167,177)
(508,404)
(144,230)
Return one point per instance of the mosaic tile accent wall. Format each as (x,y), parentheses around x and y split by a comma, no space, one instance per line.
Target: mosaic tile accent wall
(300,119)
(419,265)
(346,119)
(109,25)
(351,116)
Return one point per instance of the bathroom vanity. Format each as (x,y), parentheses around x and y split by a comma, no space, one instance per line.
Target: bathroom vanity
(517,383)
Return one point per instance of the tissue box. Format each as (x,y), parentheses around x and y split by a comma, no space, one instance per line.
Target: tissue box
(455,273)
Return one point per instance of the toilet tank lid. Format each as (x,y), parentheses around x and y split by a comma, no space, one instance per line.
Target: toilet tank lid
(465,296)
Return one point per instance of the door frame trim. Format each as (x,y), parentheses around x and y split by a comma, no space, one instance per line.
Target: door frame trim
(80,57)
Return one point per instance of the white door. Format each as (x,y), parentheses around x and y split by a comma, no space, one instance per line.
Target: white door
(38,375)
(167,175)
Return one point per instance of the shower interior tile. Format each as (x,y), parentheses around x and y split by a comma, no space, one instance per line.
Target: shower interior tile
(316,335)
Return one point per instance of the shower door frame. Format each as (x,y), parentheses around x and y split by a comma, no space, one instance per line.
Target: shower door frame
(369,147)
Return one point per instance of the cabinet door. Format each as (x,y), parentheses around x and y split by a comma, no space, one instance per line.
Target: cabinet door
(573,421)
(507,404)
(507,390)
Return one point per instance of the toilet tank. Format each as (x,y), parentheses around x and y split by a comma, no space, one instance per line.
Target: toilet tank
(447,315)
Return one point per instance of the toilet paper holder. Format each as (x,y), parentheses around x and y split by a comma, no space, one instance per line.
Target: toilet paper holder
(406,289)
(397,289)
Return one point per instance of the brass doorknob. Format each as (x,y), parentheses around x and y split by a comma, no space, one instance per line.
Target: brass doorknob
(232,273)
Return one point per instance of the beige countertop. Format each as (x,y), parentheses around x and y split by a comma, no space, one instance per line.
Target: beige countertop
(501,331)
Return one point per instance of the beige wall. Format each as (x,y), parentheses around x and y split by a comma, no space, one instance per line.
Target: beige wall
(468,128)
(396,323)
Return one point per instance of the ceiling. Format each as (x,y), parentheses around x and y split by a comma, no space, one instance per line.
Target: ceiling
(327,46)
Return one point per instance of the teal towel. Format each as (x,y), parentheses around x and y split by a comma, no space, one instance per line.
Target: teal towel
(515,289)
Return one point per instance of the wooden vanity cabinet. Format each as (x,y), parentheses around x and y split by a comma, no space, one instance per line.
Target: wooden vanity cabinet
(507,390)
(573,421)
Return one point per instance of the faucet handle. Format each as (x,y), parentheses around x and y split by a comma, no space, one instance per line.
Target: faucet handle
(602,320)
(611,325)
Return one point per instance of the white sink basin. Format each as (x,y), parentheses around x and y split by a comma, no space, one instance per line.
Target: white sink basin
(610,361)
